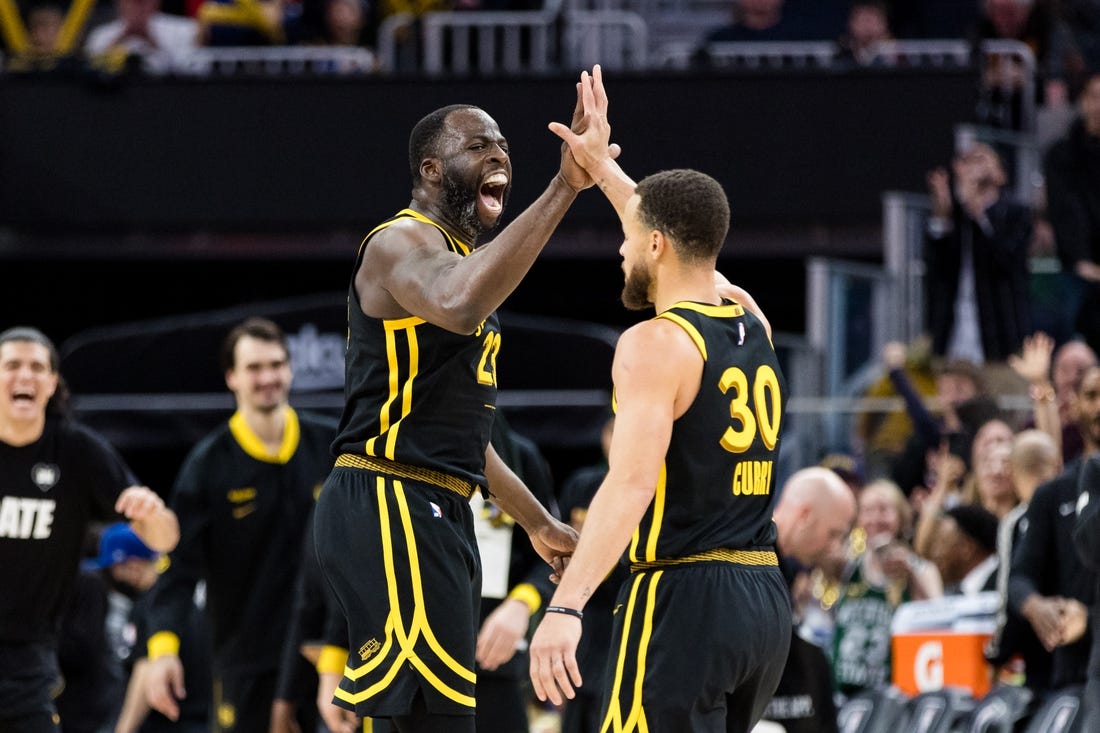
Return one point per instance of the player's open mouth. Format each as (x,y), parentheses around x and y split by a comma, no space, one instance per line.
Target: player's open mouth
(491,193)
(18,397)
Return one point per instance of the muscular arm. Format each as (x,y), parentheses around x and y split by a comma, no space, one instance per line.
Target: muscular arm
(409,265)
(646,391)
(651,393)
(551,539)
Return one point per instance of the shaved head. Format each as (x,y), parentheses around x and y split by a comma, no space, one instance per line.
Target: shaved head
(815,512)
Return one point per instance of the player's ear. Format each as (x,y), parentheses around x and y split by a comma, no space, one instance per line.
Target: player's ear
(431,169)
(657,243)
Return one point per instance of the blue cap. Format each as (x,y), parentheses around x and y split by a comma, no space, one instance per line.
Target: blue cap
(120,543)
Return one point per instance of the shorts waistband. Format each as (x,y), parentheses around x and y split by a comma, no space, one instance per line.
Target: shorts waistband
(755,558)
(463,488)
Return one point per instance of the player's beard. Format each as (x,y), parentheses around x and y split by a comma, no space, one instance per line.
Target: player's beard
(460,205)
(636,288)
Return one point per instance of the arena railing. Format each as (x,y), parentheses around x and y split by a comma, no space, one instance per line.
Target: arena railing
(904,216)
(275,61)
(849,319)
(515,42)
(617,39)
(852,311)
(489,42)
(747,54)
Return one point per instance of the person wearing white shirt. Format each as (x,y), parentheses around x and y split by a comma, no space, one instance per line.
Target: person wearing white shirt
(140,29)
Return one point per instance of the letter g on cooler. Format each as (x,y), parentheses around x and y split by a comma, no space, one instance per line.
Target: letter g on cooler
(928,666)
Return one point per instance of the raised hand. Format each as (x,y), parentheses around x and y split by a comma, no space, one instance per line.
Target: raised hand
(1033,363)
(587,139)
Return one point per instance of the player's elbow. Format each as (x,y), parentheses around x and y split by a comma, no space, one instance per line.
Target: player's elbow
(462,315)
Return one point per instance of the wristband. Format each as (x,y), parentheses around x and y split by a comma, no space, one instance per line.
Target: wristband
(566,611)
(528,594)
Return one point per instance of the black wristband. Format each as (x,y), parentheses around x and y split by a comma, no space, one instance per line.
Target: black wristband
(566,611)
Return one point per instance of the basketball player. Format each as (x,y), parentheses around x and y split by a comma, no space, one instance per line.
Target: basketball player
(394,530)
(703,624)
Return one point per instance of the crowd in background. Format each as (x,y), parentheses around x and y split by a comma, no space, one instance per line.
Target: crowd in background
(1064,35)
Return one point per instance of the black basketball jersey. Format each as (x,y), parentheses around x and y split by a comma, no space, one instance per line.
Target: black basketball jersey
(243,513)
(49,490)
(717,483)
(415,393)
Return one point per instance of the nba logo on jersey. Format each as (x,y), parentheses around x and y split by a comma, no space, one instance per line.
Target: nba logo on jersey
(436,511)
(45,475)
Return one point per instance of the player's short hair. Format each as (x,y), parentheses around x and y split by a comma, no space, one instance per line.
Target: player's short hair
(425,136)
(688,207)
(262,329)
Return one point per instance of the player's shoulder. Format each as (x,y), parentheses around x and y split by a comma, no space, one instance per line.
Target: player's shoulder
(658,342)
(405,231)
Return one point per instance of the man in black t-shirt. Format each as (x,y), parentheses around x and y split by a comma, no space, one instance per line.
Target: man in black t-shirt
(55,476)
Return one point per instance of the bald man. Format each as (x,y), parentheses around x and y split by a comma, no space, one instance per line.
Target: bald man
(813,517)
(814,514)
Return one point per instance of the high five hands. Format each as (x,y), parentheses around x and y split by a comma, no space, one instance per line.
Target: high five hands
(587,139)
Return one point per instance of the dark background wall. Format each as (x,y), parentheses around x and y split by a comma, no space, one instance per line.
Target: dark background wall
(135,198)
(268,155)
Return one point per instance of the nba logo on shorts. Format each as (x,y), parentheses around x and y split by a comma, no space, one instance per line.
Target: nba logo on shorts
(436,511)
